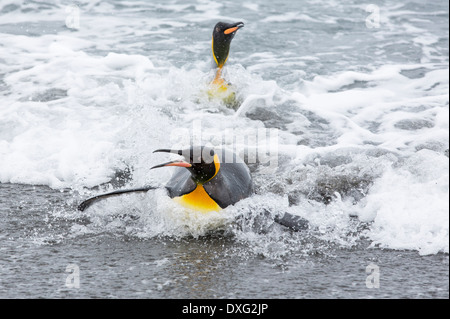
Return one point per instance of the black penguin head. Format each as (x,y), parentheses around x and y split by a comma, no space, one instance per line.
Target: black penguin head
(223,33)
(201,161)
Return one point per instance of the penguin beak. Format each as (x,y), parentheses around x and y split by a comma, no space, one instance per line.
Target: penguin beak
(174,163)
(165,150)
(234,28)
(178,163)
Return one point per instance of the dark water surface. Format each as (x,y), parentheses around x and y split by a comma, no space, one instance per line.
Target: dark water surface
(356,96)
(34,262)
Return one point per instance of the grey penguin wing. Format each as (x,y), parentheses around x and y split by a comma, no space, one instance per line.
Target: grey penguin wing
(230,185)
(219,190)
(181,183)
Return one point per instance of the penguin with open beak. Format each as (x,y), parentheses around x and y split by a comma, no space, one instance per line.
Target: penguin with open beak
(204,179)
(207,180)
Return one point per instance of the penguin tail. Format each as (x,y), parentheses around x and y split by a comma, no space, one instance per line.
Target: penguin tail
(88,202)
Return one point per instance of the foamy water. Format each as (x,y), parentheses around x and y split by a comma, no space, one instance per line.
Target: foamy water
(360,113)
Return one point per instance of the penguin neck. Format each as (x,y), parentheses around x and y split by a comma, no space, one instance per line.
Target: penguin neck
(218,79)
(220,53)
(199,199)
(201,181)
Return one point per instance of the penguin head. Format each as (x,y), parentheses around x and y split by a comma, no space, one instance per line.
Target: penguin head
(201,161)
(223,33)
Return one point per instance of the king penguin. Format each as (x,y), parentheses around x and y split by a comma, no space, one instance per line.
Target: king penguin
(207,180)
(222,35)
(204,179)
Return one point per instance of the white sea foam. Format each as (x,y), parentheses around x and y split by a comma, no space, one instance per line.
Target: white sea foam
(358,136)
(409,205)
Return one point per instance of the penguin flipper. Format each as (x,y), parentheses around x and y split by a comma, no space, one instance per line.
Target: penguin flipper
(88,202)
(293,222)
(181,183)
(228,190)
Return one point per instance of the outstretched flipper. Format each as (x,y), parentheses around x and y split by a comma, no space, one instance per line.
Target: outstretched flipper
(90,201)
(262,220)
(293,222)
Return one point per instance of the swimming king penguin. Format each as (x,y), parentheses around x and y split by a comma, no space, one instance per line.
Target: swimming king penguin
(222,35)
(207,180)
(204,180)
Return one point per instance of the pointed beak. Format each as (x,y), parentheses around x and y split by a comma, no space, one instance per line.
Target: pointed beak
(179,152)
(174,163)
(178,163)
(234,28)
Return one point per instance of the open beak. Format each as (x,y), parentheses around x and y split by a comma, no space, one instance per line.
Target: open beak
(174,163)
(234,28)
(178,163)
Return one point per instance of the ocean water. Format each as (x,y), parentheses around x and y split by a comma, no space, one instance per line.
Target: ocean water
(343,119)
